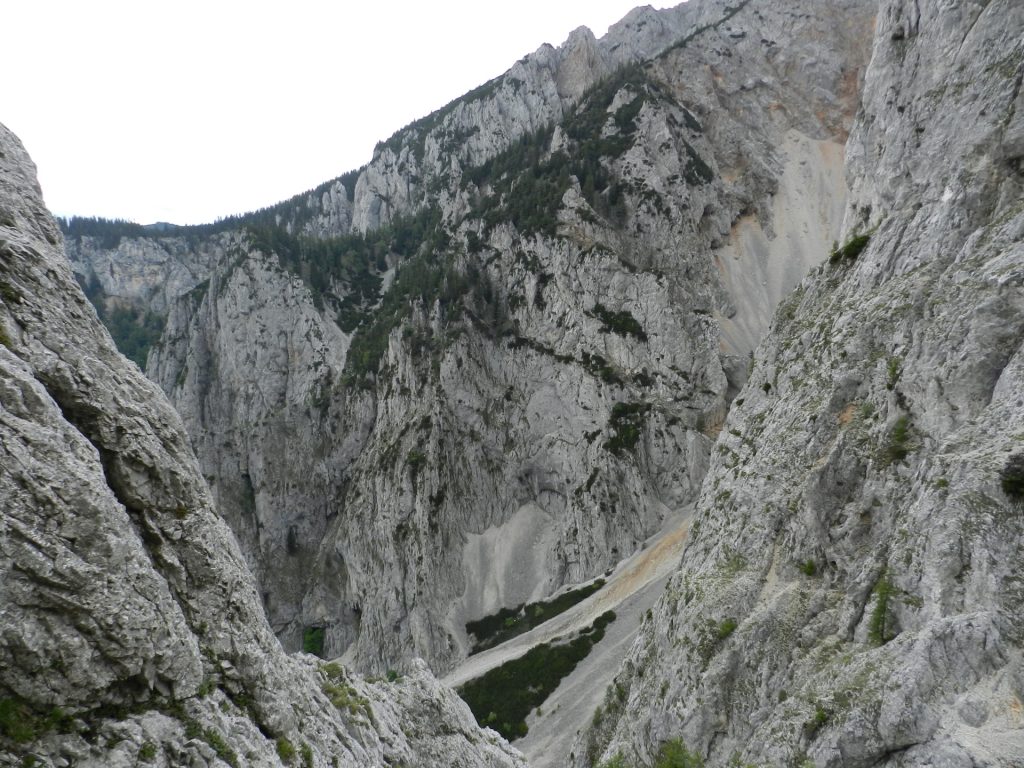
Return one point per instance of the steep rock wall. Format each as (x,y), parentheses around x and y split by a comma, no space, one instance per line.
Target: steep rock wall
(849,594)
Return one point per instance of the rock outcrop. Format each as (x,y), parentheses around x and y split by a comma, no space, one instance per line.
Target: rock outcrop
(850,594)
(130,629)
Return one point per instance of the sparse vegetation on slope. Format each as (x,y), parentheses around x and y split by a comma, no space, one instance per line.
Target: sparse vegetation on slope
(502,698)
(510,622)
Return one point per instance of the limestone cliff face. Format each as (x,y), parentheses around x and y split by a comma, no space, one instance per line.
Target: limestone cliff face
(850,593)
(131,629)
(598,287)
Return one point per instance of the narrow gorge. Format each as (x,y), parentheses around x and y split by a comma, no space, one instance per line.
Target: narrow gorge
(699,343)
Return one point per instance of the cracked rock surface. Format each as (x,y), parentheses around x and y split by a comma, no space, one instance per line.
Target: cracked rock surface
(850,593)
(130,628)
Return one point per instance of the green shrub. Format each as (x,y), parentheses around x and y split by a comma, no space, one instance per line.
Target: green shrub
(892,373)
(218,745)
(307,756)
(1012,477)
(17,721)
(285,750)
(726,627)
(809,568)
(877,630)
(851,250)
(622,323)
(674,754)
(147,752)
(627,421)
(896,449)
(817,721)
(5,340)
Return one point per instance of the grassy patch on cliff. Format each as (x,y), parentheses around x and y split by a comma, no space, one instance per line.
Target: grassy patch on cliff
(626,422)
(850,250)
(502,698)
(510,622)
(623,323)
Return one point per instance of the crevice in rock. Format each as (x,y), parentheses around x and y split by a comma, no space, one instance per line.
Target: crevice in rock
(83,417)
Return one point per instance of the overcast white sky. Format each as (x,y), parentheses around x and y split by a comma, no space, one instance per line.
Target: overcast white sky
(191,110)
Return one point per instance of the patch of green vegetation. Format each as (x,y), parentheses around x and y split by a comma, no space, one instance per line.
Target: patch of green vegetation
(697,171)
(307,756)
(892,373)
(342,694)
(313,641)
(896,448)
(220,746)
(817,721)
(344,272)
(17,721)
(618,760)
(878,632)
(286,750)
(510,622)
(147,752)
(850,250)
(1011,477)
(623,323)
(503,697)
(601,368)
(22,724)
(809,568)
(725,628)
(674,754)
(5,340)
(626,422)
(711,634)
(9,294)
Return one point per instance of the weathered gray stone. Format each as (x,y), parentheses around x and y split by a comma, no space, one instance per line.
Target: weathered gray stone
(852,524)
(130,628)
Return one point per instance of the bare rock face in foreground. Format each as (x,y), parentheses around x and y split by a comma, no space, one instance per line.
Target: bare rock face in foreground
(851,593)
(130,629)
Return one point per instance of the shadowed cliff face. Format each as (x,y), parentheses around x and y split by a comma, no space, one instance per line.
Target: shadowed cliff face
(571,310)
(131,629)
(849,594)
